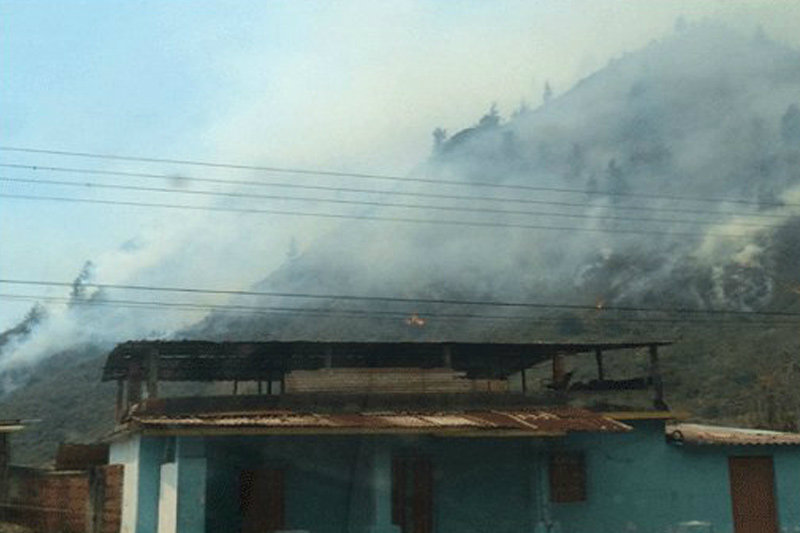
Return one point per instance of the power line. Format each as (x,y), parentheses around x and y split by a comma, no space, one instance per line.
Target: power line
(471,198)
(396,299)
(244,309)
(191,306)
(226,194)
(353,313)
(385,177)
(339,216)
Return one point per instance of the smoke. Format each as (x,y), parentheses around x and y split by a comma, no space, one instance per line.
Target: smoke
(703,113)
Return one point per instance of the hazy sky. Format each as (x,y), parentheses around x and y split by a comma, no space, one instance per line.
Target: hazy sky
(355,86)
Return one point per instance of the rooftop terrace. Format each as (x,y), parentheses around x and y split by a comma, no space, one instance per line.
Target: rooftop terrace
(306,376)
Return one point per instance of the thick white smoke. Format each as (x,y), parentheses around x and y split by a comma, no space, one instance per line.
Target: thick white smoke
(701,113)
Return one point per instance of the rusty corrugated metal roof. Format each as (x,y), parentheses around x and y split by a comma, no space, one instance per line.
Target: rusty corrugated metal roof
(541,422)
(719,435)
(8,426)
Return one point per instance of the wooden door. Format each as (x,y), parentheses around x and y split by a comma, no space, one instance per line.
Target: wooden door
(261,499)
(412,494)
(753,494)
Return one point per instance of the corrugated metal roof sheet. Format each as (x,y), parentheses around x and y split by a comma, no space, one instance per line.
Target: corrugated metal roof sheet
(550,422)
(8,426)
(719,435)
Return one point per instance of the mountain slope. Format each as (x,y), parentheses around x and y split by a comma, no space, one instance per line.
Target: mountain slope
(685,155)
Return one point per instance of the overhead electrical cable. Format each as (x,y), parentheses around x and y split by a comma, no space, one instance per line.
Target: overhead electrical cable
(383,192)
(227,194)
(337,312)
(246,309)
(342,216)
(385,177)
(397,299)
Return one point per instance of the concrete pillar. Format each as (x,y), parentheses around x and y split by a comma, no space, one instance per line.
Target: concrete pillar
(168,499)
(152,374)
(655,375)
(546,522)
(381,494)
(126,452)
(182,492)
(533,496)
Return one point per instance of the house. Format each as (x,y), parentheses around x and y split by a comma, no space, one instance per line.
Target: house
(427,437)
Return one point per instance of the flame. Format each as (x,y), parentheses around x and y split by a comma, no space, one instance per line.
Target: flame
(415,320)
(600,305)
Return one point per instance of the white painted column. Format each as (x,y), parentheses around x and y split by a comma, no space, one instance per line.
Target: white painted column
(168,499)
(126,453)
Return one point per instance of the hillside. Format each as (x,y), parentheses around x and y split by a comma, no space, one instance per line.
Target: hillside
(687,154)
(64,401)
(705,114)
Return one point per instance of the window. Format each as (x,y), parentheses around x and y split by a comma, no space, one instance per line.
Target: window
(567,477)
(412,494)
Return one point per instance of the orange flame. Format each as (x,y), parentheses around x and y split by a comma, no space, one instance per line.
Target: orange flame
(415,320)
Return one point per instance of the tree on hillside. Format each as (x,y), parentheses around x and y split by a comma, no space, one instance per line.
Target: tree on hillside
(522,110)
(616,178)
(547,94)
(490,119)
(439,137)
(576,163)
(78,292)
(292,251)
(592,185)
(790,124)
(776,402)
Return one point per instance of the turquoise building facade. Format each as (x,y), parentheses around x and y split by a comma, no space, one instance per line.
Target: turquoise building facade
(454,438)
(634,481)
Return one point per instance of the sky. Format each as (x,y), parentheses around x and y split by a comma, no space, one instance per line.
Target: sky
(349,86)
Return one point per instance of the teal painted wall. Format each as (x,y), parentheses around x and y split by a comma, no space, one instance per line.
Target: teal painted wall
(484,485)
(192,491)
(636,482)
(480,484)
(324,492)
(787,481)
(151,455)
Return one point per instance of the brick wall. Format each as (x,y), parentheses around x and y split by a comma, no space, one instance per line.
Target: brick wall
(111,510)
(81,456)
(86,501)
(4,460)
(48,502)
